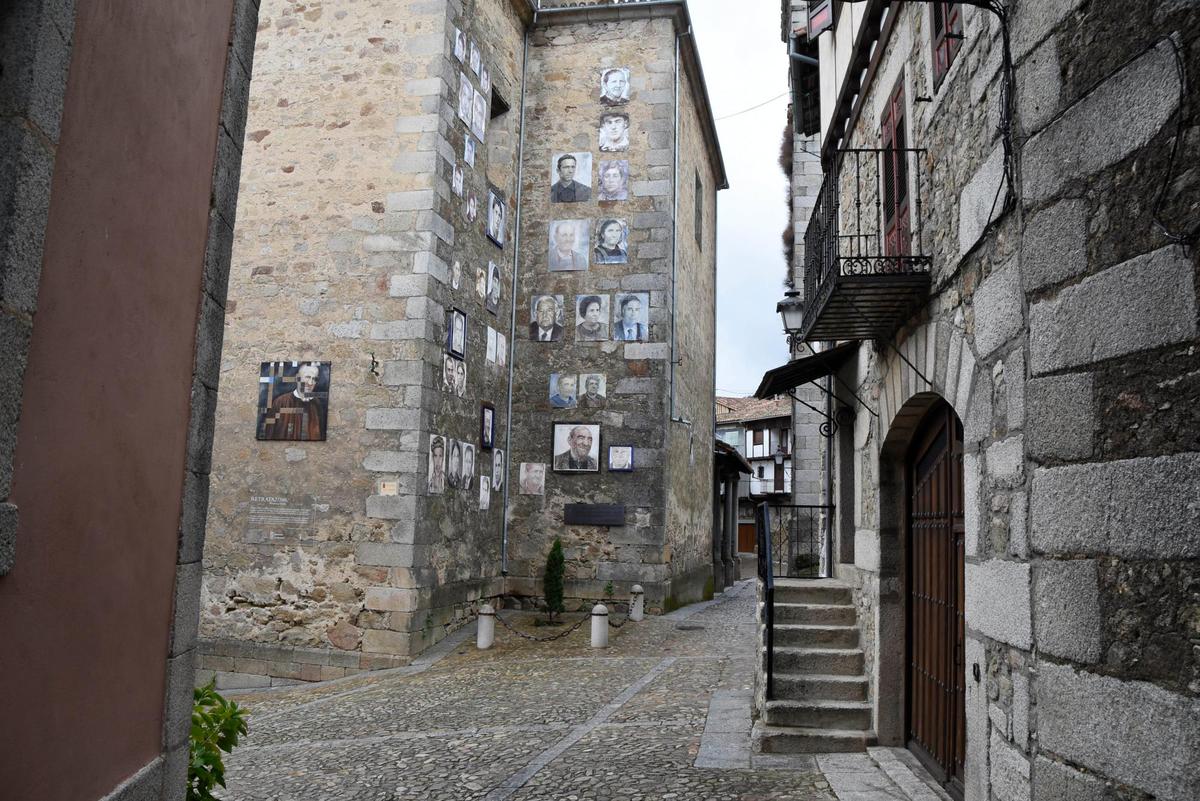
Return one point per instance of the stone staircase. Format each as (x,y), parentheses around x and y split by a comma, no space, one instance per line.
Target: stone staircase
(820,703)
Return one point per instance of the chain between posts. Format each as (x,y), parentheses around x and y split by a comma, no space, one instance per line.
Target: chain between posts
(552,637)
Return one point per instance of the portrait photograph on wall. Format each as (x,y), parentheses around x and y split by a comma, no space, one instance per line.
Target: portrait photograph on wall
(571,177)
(532,480)
(631,317)
(546,318)
(455,274)
(576,447)
(437,464)
(485,492)
(593,390)
(591,318)
(564,390)
(472,207)
(612,242)
(454,464)
(476,58)
(485,79)
(469,151)
(460,378)
(497,470)
(492,302)
(454,375)
(614,86)
(614,132)
(487,426)
(456,333)
(456,180)
(481,276)
(497,217)
(468,466)
(620,459)
(568,245)
(293,401)
(466,97)
(501,350)
(479,115)
(614,180)
(490,354)
(460,44)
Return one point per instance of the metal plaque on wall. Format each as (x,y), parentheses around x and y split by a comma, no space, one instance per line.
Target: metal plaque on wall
(594,514)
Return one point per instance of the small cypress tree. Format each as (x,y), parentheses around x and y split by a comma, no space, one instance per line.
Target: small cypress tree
(552,582)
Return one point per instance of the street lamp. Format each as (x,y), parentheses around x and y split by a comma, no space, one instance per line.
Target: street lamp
(791,309)
(780,454)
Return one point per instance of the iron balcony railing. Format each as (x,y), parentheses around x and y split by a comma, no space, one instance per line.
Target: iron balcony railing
(866,263)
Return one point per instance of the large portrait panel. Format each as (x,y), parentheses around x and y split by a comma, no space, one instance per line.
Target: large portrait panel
(612,241)
(568,245)
(631,317)
(293,401)
(546,323)
(614,180)
(614,132)
(571,176)
(614,86)
(576,447)
(591,318)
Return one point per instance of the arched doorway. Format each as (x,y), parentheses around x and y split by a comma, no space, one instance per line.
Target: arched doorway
(935,715)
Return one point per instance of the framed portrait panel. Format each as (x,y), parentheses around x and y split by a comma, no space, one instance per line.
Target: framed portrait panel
(492,301)
(568,245)
(591,318)
(593,390)
(487,426)
(571,177)
(611,245)
(456,333)
(437,464)
(620,459)
(614,86)
(497,217)
(631,317)
(293,401)
(532,478)
(576,447)
(614,180)
(564,390)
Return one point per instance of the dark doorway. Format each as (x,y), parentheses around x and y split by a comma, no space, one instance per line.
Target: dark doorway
(936,691)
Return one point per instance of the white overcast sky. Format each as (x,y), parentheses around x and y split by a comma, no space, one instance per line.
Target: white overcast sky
(745,63)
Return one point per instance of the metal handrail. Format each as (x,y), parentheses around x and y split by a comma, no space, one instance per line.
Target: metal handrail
(762,520)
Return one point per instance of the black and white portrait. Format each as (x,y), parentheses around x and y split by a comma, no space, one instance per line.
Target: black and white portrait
(591,318)
(490,353)
(620,458)
(572,177)
(497,470)
(449,374)
(492,302)
(456,274)
(485,492)
(460,377)
(576,448)
(455,464)
(479,115)
(460,44)
(614,132)
(497,212)
(476,58)
(466,96)
(456,180)
(546,318)
(614,180)
(468,466)
(569,241)
(472,207)
(614,86)
(593,390)
(437,464)
(456,333)
(612,242)
(481,275)
(485,80)
(487,426)
(532,480)
(564,390)
(631,317)
(469,150)
(501,350)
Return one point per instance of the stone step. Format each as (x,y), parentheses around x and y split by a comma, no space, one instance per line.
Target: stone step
(792,740)
(814,614)
(847,715)
(836,661)
(802,686)
(813,592)
(801,635)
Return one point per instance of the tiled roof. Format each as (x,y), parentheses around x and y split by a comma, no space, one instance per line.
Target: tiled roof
(741,410)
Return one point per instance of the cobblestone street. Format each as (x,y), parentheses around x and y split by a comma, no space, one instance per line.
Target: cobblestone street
(663,713)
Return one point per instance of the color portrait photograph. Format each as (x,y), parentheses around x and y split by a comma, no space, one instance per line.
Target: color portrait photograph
(497,217)
(546,318)
(293,401)
(631,317)
(532,479)
(571,177)
(614,132)
(612,242)
(576,448)
(591,318)
(568,246)
(593,390)
(614,86)
(564,390)
(614,180)
(437,464)
(492,302)
(620,458)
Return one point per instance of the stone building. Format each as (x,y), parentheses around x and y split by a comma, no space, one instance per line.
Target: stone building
(761,431)
(1000,278)
(364,230)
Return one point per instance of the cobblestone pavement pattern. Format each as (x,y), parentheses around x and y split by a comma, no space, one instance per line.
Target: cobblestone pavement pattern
(527,721)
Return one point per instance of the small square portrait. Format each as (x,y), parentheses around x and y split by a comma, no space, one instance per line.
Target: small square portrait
(631,317)
(455,463)
(591,318)
(614,86)
(437,464)
(572,177)
(476,58)
(468,466)
(460,44)
(487,426)
(456,333)
(546,318)
(614,180)
(469,150)
(576,448)
(472,207)
(612,242)
(620,459)
(481,275)
(497,470)
(532,480)
(485,80)
(497,217)
(492,301)
(593,390)
(456,274)
(569,240)
(293,401)
(501,350)
(466,96)
(614,132)
(456,180)
(564,390)
(490,355)
(485,493)
(479,115)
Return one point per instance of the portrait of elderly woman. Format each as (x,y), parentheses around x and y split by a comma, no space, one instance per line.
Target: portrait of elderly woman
(591,320)
(612,242)
(614,86)
(292,398)
(614,180)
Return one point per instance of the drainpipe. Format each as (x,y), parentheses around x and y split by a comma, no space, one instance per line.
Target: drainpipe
(512,326)
(675,229)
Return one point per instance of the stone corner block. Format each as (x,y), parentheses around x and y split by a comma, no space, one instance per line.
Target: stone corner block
(1066,609)
(1054,244)
(1060,416)
(998,601)
(384,554)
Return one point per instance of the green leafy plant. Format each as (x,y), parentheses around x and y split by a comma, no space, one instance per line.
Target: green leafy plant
(609,591)
(552,581)
(216,726)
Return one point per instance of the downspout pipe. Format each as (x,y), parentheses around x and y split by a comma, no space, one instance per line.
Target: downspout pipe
(675,231)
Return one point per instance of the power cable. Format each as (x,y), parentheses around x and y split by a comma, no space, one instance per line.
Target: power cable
(752,108)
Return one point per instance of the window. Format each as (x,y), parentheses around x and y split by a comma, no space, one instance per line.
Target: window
(946,27)
(699,222)
(785,440)
(762,471)
(779,478)
(895,175)
(820,17)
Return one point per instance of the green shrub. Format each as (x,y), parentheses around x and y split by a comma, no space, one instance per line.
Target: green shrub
(552,582)
(216,726)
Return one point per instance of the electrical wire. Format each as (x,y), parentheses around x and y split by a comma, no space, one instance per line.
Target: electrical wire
(756,106)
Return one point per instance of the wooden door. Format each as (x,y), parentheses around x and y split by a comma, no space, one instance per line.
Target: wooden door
(747,534)
(936,684)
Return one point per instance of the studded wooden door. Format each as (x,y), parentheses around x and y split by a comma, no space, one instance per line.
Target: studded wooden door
(936,682)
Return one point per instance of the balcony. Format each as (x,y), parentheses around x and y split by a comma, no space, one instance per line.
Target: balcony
(866,266)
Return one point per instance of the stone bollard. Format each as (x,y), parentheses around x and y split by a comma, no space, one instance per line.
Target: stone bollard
(637,604)
(486,633)
(599,626)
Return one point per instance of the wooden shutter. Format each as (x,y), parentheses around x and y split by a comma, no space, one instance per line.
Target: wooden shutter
(946,34)
(894,176)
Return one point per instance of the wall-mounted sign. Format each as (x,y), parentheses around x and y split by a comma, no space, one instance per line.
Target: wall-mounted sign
(594,514)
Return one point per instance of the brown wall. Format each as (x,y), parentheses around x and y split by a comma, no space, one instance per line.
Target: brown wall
(85,613)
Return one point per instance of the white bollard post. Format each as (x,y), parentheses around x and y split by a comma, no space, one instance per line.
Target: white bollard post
(637,605)
(599,626)
(486,633)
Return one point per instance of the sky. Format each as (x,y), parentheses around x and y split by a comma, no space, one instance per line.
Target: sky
(745,64)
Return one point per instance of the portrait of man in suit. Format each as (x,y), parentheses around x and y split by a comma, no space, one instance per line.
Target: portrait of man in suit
(566,239)
(632,316)
(546,311)
(572,178)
